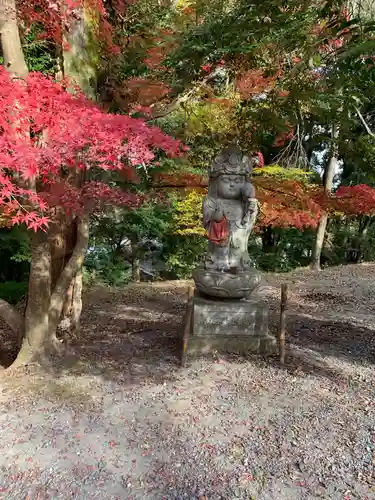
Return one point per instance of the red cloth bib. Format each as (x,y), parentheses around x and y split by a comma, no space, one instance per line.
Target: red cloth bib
(218,232)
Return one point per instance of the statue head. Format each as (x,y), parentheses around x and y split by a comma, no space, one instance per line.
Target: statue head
(231,161)
(229,172)
(229,186)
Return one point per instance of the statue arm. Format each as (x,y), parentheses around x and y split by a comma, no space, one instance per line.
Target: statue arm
(211,211)
(253,208)
(250,204)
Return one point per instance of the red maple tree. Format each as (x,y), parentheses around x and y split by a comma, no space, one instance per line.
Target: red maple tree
(355,200)
(66,132)
(253,82)
(48,138)
(287,203)
(53,146)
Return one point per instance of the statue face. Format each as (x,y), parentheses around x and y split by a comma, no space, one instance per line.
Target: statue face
(230,186)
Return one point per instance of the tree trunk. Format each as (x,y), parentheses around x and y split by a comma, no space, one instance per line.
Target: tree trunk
(136,271)
(63,243)
(76,302)
(15,64)
(71,313)
(360,243)
(11,317)
(79,63)
(44,306)
(328,176)
(81,60)
(37,311)
(14,319)
(14,60)
(319,241)
(72,271)
(270,240)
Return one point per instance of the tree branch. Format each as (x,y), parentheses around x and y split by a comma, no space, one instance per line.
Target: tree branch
(368,130)
(161,113)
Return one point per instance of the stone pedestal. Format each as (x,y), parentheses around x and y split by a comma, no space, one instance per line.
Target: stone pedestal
(226,285)
(238,326)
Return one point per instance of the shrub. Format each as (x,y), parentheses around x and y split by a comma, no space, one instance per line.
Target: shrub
(13,292)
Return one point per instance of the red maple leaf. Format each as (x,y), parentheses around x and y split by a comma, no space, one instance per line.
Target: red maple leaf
(80,134)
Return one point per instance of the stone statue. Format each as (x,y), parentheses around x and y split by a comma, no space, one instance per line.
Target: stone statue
(229,213)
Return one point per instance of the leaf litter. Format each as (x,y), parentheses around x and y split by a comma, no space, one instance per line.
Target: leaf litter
(120,420)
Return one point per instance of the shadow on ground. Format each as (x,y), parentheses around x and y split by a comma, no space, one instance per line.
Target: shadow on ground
(134,337)
(141,340)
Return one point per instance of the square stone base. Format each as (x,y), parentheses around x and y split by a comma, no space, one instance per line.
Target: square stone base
(236,326)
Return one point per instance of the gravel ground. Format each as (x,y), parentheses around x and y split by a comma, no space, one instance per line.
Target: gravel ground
(121,420)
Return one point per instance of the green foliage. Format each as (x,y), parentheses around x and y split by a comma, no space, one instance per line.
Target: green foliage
(281,173)
(203,127)
(146,222)
(119,237)
(359,164)
(286,250)
(175,226)
(237,29)
(187,218)
(13,291)
(350,240)
(210,117)
(39,52)
(15,257)
(173,123)
(182,254)
(103,267)
(15,254)
(143,21)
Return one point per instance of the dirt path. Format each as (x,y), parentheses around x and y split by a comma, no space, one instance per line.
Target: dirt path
(123,421)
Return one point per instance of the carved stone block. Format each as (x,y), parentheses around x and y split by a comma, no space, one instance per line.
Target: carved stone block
(231,326)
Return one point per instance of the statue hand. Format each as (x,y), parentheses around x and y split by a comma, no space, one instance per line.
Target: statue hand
(245,219)
(212,211)
(219,213)
(253,205)
(251,211)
